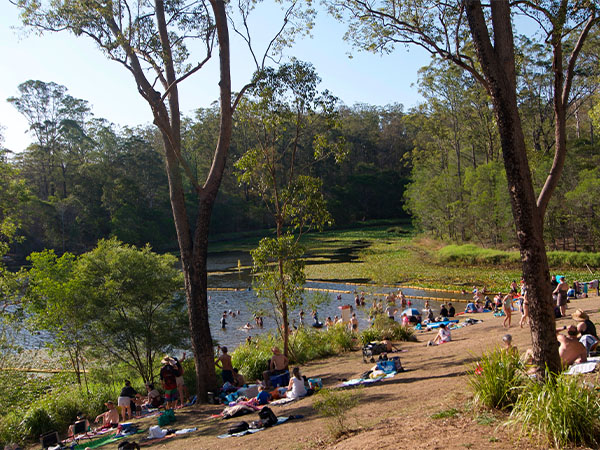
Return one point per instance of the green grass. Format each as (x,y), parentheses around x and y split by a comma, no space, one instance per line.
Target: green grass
(496,379)
(450,413)
(561,411)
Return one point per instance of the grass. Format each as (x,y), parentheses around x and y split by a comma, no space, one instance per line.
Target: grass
(496,379)
(561,411)
(450,413)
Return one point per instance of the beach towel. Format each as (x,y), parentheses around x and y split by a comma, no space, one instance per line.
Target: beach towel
(585,367)
(280,420)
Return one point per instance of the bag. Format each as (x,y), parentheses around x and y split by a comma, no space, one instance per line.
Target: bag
(267,416)
(126,445)
(315,384)
(238,427)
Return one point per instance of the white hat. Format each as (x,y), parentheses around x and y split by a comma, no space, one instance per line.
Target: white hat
(156,432)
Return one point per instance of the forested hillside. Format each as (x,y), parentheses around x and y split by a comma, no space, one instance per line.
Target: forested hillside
(87,178)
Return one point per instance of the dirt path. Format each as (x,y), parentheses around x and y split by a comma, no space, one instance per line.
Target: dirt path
(393,414)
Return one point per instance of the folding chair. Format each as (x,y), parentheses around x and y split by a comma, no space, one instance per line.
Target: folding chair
(50,439)
(80,430)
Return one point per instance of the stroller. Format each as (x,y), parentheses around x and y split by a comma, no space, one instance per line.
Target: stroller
(372,349)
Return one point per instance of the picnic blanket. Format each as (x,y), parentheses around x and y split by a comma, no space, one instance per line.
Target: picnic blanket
(362,381)
(105,440)
(585,367)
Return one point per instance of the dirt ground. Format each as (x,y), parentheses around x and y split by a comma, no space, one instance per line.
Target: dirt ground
(392,414)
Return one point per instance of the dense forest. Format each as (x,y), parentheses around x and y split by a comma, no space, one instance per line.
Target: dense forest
(84,178)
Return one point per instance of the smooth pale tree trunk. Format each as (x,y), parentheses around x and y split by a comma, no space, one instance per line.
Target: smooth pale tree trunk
(498,65)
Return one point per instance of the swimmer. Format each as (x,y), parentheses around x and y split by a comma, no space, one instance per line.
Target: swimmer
(247,326)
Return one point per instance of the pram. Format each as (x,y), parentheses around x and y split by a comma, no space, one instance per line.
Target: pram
(372,349)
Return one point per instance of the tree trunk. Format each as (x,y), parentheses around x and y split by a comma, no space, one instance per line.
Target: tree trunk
(498,65)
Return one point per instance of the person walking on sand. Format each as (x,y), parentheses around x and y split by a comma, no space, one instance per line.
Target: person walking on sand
(507,308)
(524,311)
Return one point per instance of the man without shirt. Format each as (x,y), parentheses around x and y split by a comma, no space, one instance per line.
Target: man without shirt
(277,365)
(571,351)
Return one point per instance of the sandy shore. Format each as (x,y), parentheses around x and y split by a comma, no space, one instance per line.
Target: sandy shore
(393,414)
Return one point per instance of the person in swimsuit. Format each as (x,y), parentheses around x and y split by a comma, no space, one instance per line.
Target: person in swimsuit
(561,295)
(507,308)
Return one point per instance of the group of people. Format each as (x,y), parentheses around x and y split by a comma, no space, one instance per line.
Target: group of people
(130,403)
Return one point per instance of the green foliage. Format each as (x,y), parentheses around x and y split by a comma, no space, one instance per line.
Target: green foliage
(370,334)
(392,330)
(497,379)
(116,294)
(252,359)
(446,414)
(562,411)
(335,405)
(472,254)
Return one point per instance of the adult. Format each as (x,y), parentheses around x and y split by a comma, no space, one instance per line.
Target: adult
(507,308)
(224,363)
(443,311)
(561,295)
(451,310)
(224,320)
(442,337)
(390,310)
(168,377)
(238,378)
(109,418)
(181,387)
(571,351)
(471,308)
(277,365)
(584,325)
(354,323)
(296,387)
(154,397)
(524,311)
(124,402)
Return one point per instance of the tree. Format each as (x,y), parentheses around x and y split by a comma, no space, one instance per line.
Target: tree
(449,30)
(293,124)
(151,40)
(125,299)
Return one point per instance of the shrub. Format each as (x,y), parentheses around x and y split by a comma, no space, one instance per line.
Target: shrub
(560,411)
(370,334)
(393,330)
(335,405)
(252,359)
(496,379)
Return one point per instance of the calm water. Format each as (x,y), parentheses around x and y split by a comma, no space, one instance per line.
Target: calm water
(224,273)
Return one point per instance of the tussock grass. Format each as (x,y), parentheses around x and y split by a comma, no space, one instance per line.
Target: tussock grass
(561,411)
(497,379)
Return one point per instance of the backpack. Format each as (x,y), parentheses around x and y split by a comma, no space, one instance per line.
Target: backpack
(267,416)
(238,427)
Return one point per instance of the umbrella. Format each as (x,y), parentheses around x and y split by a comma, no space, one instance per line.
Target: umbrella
(411,312)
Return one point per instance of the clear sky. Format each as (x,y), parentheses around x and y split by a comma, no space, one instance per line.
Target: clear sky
(79,65)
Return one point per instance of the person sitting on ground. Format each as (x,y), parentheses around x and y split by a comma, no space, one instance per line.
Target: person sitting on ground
(430,316)
(479,306)
(508,347)
(238,378)
(442,337)
(451,310)
(586,330)
(154,399)
(471,308)
(263,396)
(571,351)
(109,418)
(224,363)
(277,365)
(80,417)
(488,303)
(296,387)
(498,302)
(389,347)
(443,311)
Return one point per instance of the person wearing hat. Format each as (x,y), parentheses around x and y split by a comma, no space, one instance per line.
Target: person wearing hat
(109,418)
(168,376)
(585,325)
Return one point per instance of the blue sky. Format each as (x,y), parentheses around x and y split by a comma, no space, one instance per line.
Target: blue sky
(77,64)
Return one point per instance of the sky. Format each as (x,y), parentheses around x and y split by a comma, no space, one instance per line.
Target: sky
(78,64)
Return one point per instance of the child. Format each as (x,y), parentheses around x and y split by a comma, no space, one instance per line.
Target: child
(263,396)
